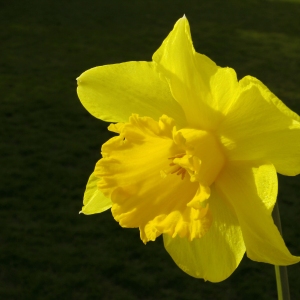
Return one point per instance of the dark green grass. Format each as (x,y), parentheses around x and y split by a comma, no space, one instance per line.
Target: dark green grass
(49,143)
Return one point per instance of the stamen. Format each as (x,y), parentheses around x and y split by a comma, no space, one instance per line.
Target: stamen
(176,170)
(177,156)
(179,170)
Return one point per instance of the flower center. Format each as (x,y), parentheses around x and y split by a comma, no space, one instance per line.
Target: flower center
(175,168)
(137,172)
(202,159)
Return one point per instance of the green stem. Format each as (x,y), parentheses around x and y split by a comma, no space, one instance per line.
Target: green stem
(282,280)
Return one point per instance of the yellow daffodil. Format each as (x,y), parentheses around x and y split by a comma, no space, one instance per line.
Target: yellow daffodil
(195,158)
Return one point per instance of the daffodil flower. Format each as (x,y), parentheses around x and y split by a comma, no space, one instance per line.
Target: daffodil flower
(195,158)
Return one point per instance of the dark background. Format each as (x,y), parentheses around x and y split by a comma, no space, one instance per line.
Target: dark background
(50,144)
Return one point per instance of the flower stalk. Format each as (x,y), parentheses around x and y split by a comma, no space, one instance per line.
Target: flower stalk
(282,280)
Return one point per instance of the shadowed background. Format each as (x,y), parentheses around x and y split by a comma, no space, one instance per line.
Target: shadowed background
(50,144)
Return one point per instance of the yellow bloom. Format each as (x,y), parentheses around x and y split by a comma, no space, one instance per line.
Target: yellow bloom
(195,158)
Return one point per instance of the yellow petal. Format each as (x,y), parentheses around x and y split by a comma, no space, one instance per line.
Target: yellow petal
(131,170)
(188,74)
(94,201)
(114,92)
(224,89)
(258,126)
(251,190)
(218,253)
(204,90)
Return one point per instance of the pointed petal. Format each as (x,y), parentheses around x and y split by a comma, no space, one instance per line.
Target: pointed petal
(258,126)
(94,201)
(218,253)
(204,90)
(252,190)
(114,92)
(188,74)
